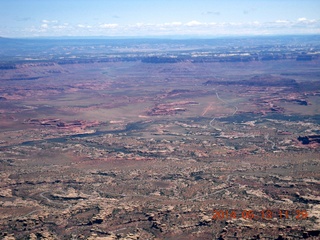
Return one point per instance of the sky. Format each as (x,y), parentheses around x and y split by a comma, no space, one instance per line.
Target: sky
(157,18)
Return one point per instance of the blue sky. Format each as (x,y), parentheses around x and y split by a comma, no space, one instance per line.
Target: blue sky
(30,18)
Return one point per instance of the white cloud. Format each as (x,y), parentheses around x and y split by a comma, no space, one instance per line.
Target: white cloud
(282,21)
(302,19)
(193,23)
(84,26)
(139,25)
(59,27)
(48,21)
(306,21)
(278,26)
(144,25)
(109,25)
(235,23)
(173,24)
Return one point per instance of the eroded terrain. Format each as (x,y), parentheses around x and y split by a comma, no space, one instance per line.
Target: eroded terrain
(162,145)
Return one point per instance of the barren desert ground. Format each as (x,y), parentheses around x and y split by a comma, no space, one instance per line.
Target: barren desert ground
(160,139)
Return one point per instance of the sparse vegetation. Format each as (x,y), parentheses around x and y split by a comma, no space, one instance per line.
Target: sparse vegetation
(126,146)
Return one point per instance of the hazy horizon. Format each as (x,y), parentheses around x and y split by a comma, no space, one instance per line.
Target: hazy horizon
(164,37)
